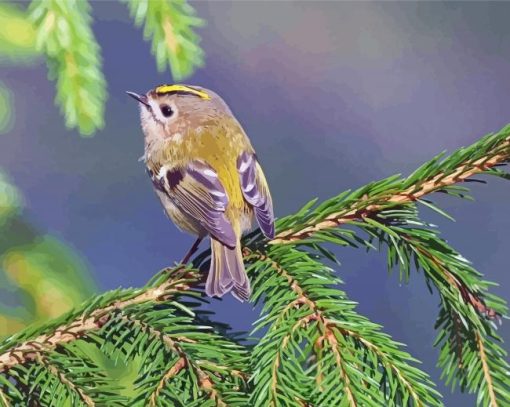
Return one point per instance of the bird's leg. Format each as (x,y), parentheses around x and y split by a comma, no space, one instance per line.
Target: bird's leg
(191,251)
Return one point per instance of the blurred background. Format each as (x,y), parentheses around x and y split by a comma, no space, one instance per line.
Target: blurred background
(332,94)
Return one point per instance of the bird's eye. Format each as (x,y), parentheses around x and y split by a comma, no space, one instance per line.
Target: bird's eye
(166,110)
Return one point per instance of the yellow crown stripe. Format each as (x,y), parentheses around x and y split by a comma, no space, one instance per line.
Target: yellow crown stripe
(181,88)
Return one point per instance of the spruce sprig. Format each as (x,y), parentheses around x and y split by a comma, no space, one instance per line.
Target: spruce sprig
(183,355)
(169,25)
(437,175)
(467,334)
(315,339)
(64,34)
(387,212)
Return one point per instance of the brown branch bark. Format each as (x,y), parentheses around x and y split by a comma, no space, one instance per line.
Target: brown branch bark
(172,372)
(486,370)
(467,295)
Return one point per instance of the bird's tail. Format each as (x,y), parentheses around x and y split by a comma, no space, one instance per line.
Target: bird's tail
(227,272)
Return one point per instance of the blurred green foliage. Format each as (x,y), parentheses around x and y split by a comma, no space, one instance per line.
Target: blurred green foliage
(17,46)
(41,276)
(6,111)
(65,36)
(17,35)
(61,31)
(10,199)
(170,25)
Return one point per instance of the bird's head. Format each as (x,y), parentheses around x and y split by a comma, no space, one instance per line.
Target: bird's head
(168,110)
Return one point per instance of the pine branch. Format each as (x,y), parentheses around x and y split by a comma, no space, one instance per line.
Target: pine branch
(467,308)
(412,241)
(91,317)
(174,370)
(62,32)
(73,388)
(386,210)
(64,377)
(73,55)
(483,157)
(318,350)
(194,354)
(486,371)
(169,24)
(316,318)
(155,322)
(9,393)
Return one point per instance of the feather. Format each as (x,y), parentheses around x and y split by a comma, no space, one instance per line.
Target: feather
(197,191)
(227,273)
(256,192)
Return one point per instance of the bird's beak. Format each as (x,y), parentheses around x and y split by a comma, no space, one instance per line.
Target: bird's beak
(140,98)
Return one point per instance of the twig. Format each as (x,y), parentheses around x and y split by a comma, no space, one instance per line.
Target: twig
(65,381)
(205,381)
(469,297)
(172,372)
(438,182)
(179,280)
(3,399)
(328,330)
(486,370)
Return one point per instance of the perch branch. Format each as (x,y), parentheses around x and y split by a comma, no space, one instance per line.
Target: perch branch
(179,280)
(460,174)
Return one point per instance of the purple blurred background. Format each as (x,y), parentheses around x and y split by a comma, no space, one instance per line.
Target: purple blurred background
(333,95)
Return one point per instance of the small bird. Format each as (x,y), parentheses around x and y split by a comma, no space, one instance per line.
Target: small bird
(207,176)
